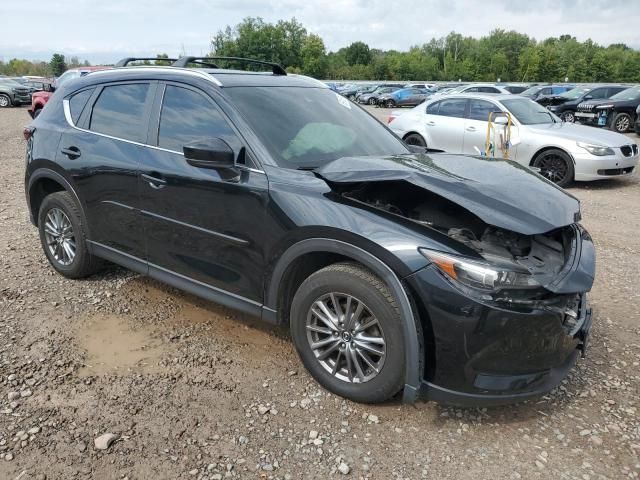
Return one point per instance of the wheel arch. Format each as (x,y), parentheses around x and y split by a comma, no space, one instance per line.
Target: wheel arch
(309,255)
(44,182)
(546,149)
(415,132)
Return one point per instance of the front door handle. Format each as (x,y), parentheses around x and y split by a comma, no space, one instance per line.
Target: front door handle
(71,152)
(431,124)
(154,182)
(471,129)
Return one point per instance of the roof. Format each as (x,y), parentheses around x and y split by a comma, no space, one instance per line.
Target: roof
(484,96)
(220,77)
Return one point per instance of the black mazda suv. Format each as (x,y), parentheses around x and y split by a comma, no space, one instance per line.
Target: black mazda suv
(397,269)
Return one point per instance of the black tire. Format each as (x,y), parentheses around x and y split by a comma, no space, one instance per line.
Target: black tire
(5,100)
(372,101)
(390,103)
(83,263)
(568,116)
(622,122)
(556,166)
(415,139)
(352,280)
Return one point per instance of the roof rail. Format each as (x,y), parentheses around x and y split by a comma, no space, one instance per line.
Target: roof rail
(276,68)
(125,61)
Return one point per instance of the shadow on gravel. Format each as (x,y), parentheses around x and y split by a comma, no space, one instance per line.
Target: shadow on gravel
(612,184)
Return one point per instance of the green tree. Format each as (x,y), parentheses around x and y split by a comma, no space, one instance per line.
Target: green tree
(314,57)
(57,64)
(358,53)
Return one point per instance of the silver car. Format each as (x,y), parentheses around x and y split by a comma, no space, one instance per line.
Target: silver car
(562,152)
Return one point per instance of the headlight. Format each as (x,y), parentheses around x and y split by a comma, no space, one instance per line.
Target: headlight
(608,105)
(598,150)
(479,275)
(553,108)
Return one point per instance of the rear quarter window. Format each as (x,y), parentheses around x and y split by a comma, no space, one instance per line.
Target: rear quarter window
(77,103)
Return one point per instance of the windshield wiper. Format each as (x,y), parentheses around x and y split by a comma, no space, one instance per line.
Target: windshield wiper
(307,168)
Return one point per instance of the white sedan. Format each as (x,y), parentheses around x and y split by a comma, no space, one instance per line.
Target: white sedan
(562,152)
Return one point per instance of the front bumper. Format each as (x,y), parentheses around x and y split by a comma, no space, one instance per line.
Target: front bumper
(590,167)
(22,99)
(482,355)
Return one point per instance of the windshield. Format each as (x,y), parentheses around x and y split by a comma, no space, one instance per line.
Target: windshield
(576,92)
(632,93)
(530,92)
(457,89)
(308,127)
(528,112)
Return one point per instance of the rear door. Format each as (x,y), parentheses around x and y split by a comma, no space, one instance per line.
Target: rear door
(101,150)
(444,123)
(201,224)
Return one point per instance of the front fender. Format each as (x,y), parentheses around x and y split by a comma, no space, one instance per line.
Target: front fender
(411,329)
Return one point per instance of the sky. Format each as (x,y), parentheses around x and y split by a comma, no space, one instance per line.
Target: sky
(104,31)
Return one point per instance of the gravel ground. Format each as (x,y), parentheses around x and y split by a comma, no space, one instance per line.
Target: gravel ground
(188,389)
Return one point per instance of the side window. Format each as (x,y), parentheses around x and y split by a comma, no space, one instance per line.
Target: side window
(453,108)
(472,89)
(598,93)
(432,109)
(187,116)
(77,103)
(480,110)
(119,111)
(612,91)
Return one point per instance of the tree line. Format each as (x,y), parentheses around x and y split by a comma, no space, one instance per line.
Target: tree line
(505,55)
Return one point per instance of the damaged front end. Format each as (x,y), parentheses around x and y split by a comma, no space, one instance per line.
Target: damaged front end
(505,290)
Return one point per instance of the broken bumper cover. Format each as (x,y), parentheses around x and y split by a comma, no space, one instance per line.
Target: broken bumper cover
(493,356)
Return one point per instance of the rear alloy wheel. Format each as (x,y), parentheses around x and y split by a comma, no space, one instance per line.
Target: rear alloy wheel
(346,327)
(415,139)
(555,165)
(621,122)
(568,116)
(372,101)
(5,101)
(389,103)
(62,236)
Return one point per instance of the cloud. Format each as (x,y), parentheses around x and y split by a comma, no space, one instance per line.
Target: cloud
(104,31)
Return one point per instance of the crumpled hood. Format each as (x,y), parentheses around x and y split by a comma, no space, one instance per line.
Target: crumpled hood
(500,192)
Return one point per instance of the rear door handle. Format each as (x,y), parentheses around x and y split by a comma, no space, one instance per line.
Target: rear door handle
(154,182)
(471,129)
(71,152)
(431,124)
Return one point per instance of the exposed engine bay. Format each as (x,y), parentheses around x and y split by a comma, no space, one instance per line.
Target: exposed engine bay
(543,255)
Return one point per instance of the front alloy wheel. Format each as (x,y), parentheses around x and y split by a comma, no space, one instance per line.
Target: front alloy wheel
(622,123)
(347,329)
(345,337)
(556,166)
(5,101)
(568,116)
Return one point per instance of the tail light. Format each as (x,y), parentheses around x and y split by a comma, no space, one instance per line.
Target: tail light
(27,132)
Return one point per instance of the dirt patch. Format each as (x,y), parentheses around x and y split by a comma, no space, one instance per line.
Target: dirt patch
(113,347)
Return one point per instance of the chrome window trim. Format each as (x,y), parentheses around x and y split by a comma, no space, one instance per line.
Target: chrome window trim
(67,116)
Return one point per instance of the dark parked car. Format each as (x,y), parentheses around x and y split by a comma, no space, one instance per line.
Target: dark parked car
(515,89)
(539,90)
(617,113)
(637,124)
(452,278)
(352,92)
(565,104)
(13,93)
(372,98)
(405,97)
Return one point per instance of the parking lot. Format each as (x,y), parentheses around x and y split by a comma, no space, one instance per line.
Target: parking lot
(194,390)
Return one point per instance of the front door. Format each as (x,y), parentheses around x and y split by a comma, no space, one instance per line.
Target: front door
(201,223)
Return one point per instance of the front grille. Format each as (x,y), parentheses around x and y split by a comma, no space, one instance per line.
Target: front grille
(616,171)
(629,150)
(585,107)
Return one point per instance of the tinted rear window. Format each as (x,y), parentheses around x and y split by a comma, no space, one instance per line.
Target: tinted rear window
(119,111)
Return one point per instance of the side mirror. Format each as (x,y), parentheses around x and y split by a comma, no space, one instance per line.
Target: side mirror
(588,97)
(209,153)
(500,120)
